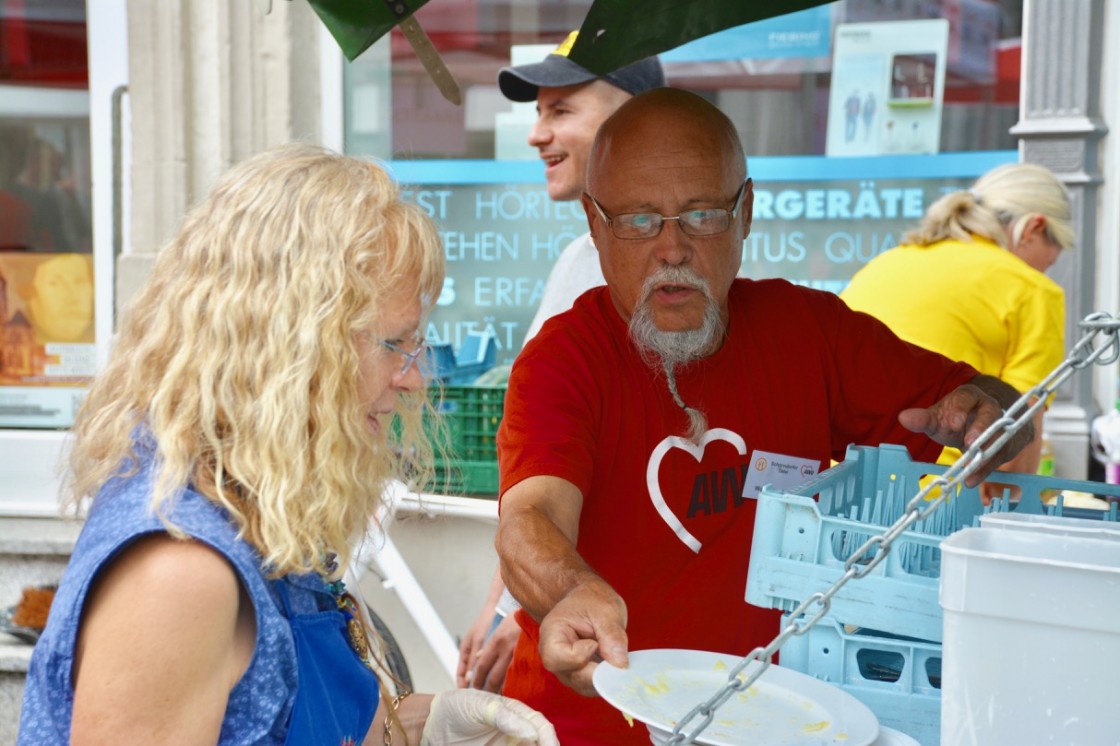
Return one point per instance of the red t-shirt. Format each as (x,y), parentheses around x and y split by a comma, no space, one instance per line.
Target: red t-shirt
(799,375)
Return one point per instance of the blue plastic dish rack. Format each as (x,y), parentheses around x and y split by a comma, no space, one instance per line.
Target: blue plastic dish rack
(800,543)
(897,678)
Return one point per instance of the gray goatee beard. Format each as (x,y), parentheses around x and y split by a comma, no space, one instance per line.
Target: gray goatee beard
(667,350)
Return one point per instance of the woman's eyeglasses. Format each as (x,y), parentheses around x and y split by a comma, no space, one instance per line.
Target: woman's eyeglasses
(416,342)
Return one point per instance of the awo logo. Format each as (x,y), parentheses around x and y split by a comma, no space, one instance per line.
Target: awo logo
(696,450)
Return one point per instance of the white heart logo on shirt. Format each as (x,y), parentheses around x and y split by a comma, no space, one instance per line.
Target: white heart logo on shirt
(697,452)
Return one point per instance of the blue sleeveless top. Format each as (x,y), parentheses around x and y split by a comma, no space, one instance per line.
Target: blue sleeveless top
(260,706)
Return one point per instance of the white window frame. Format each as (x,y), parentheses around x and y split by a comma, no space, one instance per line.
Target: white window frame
(30,460)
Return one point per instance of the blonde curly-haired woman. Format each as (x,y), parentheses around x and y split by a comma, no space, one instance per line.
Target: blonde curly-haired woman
(234,446)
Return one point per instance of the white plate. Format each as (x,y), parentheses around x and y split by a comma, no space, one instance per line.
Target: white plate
(782,708)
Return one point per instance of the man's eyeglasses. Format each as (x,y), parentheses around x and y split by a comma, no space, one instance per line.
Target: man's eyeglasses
(703,222)
(411,357)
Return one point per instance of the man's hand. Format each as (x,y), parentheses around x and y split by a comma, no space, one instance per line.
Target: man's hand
(471,645)
(962,416)
(482,654)
(487,669)
(587,626)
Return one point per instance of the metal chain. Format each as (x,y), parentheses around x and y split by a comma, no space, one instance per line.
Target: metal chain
(864,559)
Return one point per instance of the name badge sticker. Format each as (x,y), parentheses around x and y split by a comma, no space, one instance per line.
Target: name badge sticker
(780,471)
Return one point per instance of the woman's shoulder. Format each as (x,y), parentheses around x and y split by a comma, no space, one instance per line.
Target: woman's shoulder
(187,541)
(172,583)
(165,604)
(180,567)
(124,510)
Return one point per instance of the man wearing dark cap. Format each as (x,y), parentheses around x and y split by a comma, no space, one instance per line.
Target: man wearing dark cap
(571,104)
(521,82)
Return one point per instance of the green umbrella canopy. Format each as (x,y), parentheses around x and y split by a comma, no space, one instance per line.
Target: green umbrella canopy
(357,25)
(617,33)
(610,37)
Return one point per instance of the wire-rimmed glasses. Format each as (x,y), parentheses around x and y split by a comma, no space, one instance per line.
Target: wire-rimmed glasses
(707,221)
(411,357)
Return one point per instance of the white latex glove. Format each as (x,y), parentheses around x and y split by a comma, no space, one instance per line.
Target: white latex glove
(472,717)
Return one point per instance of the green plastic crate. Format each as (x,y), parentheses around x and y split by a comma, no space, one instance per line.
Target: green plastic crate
(476,478)
(471,416)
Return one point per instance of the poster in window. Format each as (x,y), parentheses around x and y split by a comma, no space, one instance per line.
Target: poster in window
(888,81)
(47,354)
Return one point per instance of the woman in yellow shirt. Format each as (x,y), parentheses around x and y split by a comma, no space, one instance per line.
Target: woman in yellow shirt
(969,282)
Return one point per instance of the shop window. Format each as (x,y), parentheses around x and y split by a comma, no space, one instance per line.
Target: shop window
(845,157)
(46,263)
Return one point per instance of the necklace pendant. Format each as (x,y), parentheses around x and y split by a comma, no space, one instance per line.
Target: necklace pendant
(358,640)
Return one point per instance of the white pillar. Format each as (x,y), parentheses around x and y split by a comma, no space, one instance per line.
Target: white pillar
(1060,127)
(211,82)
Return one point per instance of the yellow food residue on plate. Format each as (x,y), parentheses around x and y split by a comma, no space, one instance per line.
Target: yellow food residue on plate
(659,685)
(629,719)
(752,692)
(720,666)
(816,727)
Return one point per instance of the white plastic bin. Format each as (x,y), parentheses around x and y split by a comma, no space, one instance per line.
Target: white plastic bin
(1086,528)
(1031,650)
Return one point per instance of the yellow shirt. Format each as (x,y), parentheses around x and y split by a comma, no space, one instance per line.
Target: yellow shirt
(972,301)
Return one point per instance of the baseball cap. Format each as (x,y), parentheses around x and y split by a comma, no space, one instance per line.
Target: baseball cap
(520,83)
